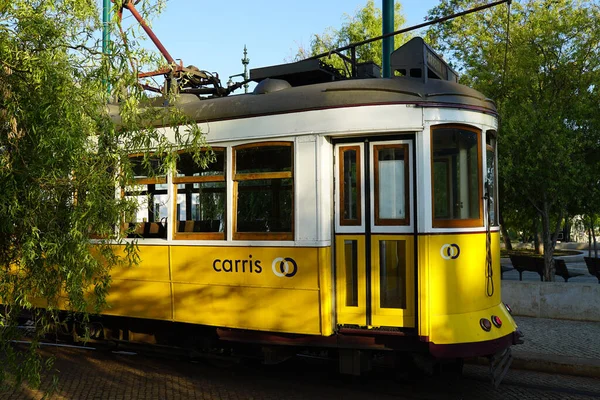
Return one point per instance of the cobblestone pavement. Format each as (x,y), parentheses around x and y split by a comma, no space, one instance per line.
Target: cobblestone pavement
(103,375)
(559,337)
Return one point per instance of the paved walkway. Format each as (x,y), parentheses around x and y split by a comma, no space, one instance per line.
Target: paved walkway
(554,345)
(561,346)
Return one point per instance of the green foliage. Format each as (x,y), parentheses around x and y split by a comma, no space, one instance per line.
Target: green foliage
(62,160)
(366,24)
(544,80)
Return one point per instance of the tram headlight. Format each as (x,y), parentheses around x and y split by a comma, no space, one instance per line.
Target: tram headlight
(485,324)
(496,321)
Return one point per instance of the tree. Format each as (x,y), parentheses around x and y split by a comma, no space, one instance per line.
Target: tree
(366,24)
(542,79)
(61,160)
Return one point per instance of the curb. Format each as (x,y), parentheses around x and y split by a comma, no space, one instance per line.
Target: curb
(577,366)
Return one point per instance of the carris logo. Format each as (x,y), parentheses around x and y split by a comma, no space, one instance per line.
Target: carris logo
(450,251)
(281,267)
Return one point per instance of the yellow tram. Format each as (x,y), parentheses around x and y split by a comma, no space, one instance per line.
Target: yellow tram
(358,215)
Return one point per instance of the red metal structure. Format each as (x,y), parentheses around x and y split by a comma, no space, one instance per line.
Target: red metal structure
(189,79)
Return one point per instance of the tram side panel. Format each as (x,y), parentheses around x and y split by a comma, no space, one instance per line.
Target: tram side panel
(273,289)
(144,290)
(456,290)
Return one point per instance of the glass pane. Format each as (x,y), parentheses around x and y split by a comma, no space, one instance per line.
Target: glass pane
(351,269)
(145,168)
(263,159)
(187,167)
(350,193)
(201,207)
(392,273)
(142,203)
(490,180)
(490,188)
(456,174)
(441,184)
(264,205)
(160,206)
(392,188)
(151,203)
(150,219)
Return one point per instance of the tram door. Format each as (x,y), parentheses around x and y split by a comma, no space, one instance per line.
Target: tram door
(374,233)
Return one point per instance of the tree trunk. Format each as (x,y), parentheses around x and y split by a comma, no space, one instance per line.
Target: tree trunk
(589,229)
(549,242)
(505,237)
(592,227)
(537,240)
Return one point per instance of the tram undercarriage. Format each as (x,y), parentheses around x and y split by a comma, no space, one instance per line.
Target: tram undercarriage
(356,351)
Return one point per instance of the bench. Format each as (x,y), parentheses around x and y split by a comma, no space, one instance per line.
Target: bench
(536,264)
(527,263)
(560,268)
(593,266)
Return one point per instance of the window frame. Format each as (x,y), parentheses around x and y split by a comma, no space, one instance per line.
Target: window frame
(200,179)
(359,189)
(457,223)
(237,177)
(391,221)
(150,183)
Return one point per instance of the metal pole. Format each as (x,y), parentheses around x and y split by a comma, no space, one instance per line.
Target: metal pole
(106,36)
(245,62)
(105,26)
(388,42)
(412,28)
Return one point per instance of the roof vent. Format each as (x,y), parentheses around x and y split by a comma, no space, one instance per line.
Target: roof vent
(271,85)
(415,59)
(305,72)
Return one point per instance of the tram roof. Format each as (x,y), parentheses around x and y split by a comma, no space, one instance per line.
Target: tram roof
(274,96)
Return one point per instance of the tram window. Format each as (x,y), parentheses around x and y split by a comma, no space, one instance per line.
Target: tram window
(491,177)
(150,195)
(263,180)
(391,184)
(350,184)
(456,176)
(392,273)
(351,270)
(201,197)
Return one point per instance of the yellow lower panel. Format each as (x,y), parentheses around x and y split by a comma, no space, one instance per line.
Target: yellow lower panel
(154,264)
(465,328)
(462,284)
(265,309)
(351,301)
(458,284)
(247,266)
(326,291)
(140,299)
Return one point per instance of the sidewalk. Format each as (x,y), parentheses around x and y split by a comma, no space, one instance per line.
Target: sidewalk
(558,346)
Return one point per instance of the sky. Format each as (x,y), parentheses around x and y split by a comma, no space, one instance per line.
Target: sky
(211,34)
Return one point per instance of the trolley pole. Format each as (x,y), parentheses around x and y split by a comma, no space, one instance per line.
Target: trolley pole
(388,42)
